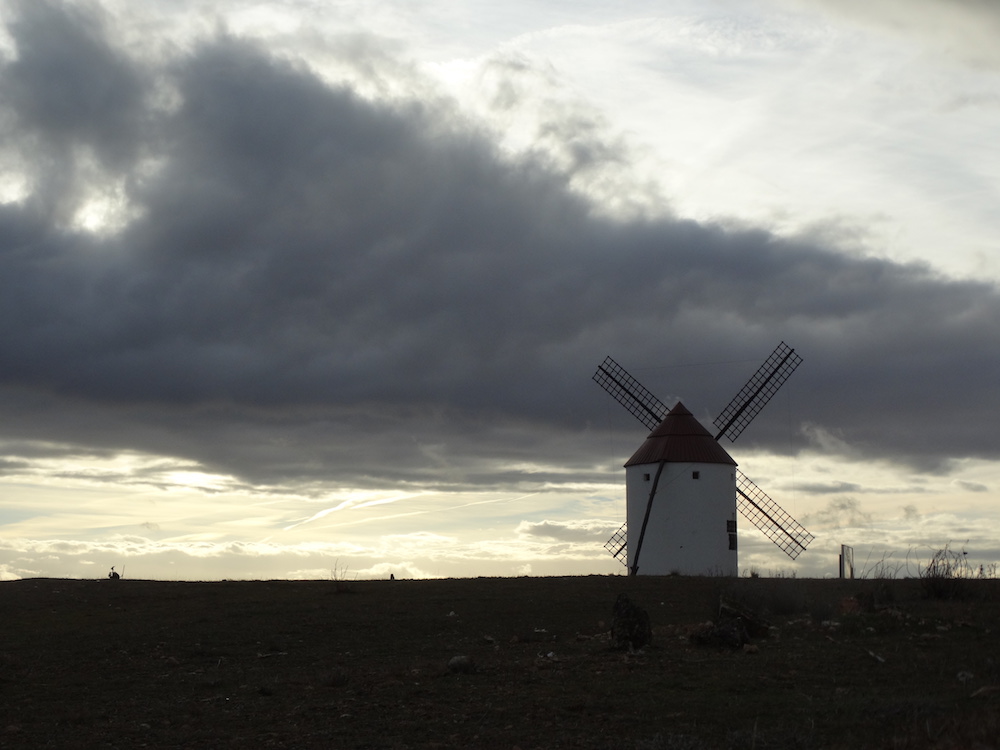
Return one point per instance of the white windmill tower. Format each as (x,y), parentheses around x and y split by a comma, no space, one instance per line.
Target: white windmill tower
(683,488)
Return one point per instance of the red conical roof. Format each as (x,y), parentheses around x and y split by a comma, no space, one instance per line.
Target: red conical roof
(680,438)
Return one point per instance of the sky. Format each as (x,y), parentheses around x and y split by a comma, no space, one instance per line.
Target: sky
(300,289)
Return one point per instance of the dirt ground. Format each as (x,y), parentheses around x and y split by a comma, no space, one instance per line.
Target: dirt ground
(365,664)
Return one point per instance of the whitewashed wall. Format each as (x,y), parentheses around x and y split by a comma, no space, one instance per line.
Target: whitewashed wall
(687,529)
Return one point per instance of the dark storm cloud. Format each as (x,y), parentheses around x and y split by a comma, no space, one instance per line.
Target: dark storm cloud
(73,107)
(67,86)
(317,287)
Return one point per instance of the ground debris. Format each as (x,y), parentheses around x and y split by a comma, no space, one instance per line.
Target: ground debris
(728,634)
(734,627)
(755,625)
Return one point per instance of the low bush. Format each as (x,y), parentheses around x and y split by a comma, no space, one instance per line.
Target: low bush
(947,574)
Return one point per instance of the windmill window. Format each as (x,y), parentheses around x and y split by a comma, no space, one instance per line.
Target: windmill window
(645,477)
(732,541)
(696,475)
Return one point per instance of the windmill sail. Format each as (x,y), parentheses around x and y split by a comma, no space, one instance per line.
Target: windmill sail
(630,393)
(755,505)
(757,392)
(788,534)
(617,545)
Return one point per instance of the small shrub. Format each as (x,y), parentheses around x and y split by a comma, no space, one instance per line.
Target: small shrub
(339,576)
(948,573)
(885,569)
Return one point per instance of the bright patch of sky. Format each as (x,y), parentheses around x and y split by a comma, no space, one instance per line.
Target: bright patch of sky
(778,119)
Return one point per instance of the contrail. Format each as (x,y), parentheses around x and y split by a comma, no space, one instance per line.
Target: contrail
(421,512)
(346,504)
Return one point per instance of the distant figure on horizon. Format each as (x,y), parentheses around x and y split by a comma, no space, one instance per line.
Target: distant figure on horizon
(113,575)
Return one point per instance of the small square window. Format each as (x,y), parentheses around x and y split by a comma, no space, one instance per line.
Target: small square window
(696,475)
(645,477)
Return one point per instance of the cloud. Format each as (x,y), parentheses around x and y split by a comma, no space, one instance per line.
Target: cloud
(836,488)
(400,570)
(75,105)
(840,513)
(963,29)
(308,287)
(971,486)
(826,488)
(590,530)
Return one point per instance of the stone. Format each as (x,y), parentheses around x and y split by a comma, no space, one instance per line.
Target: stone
(461,664)
(630,628)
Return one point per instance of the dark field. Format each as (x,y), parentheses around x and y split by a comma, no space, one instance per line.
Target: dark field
(128,664)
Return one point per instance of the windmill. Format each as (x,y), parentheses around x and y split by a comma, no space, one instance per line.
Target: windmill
(682,487)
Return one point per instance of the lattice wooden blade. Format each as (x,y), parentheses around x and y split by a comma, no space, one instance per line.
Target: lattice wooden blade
(757,391)
(787,533)
(617,545)
(630,393)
